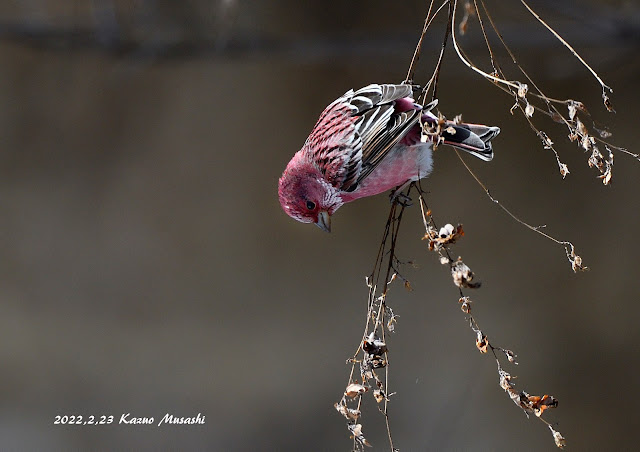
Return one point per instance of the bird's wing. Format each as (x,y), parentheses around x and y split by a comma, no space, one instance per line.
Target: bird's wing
(379,126)
(368,97)
(379,134)
(347,151)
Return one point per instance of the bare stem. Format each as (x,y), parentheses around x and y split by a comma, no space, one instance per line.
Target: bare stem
(568,246)
(416,52)
(515,85)
(568,46)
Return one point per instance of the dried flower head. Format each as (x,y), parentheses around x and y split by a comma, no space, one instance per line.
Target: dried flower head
(518,398)
(528,111)
(355,389)
(462,275)
(581,128)
(374,362)
(575,260)
(465,304)
(607,103)
(373,345)
(447,235)
(356,431)
(564,170)
(546,141)
(510,356)
(558,438)
(523,88)
(379,395)
(505,380)
(482,342)
(540,404)
(349,413)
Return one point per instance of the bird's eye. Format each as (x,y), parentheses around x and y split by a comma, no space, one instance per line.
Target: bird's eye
(311,205)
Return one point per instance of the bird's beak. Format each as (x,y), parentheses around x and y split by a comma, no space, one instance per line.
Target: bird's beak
(324,221)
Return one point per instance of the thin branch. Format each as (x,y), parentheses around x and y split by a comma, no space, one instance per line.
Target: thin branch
(574,259)
(571,49)
(416,52)
(514,84)
(436,73)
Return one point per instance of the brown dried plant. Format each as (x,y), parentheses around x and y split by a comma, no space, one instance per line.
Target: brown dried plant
(370,362)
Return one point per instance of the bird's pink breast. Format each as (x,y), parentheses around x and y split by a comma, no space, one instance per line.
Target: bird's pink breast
(402,164)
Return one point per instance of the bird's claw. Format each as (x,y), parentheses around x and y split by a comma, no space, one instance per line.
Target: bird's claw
(397,197)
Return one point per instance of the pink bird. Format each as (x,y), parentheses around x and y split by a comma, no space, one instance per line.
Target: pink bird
(367,142)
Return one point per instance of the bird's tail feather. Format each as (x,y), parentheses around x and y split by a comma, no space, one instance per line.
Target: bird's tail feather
(472,138)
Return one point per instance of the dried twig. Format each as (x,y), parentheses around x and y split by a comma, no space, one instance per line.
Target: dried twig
(440,241)
(605,88)
(372,353)
(574,259)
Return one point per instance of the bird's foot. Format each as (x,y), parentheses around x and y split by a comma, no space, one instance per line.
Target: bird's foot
(397,197)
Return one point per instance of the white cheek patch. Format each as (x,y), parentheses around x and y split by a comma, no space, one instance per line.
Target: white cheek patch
(331,197)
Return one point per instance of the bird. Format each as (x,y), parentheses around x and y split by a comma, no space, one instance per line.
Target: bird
(367,142)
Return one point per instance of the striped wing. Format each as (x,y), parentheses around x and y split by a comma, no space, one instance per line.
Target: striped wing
(348,151)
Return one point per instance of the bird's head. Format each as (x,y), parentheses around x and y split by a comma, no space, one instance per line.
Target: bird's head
(306,196)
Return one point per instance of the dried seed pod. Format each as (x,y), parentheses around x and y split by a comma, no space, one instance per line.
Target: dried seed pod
(564,170)
(510,356)
(558,438)
(482,342)
(528,110)
(355,389)
(607,103)
(349,413)
(522,90)
(356,430)
(374,346)
(465,304)
(505,380)
(378,394)
(462,275)
(540,404)
(378,363)
(447,235)
(546,141)
(445,231)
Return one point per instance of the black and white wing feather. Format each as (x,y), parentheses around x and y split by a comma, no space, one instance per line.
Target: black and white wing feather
(348,151)
(379,126)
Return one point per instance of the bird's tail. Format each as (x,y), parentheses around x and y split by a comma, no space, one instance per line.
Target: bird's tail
(472,138)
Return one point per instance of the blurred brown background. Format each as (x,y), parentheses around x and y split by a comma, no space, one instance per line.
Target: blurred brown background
(147,266)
